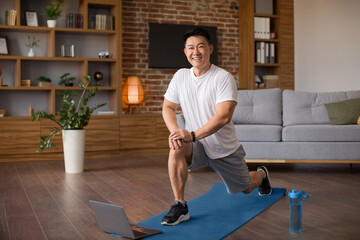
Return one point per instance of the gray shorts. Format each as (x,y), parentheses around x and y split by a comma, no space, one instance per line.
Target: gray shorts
(232,169)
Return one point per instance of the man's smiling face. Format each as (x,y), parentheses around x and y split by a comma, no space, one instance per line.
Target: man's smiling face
(197,51)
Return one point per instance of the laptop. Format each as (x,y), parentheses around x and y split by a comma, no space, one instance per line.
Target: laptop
(112,219)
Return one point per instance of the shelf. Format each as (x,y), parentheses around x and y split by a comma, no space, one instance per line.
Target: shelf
(267,64)
(56,88)
(266,40)
(102,88)
(47,29)
(54,59)
(266,15)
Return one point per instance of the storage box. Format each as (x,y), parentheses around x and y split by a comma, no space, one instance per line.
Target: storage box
(271,81)
(44,84)
(26,83)
(264,6)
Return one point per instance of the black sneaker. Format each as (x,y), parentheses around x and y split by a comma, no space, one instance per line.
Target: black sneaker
(177,214)
(265,187)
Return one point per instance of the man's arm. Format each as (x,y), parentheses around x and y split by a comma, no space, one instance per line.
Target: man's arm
(223,115)
(169,116)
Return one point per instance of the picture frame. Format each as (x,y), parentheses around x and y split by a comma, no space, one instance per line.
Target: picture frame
(31,19)
(4,45)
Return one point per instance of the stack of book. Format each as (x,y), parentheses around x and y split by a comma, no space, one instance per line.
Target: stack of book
(262,27)
(101,22)
(265,52)
(10,17)
(74,20)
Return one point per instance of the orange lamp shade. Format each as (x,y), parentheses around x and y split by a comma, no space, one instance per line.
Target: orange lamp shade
(133,92)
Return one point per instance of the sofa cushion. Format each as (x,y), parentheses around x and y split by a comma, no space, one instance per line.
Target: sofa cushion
(308,108)
(321,133)
(258,133)
(258,107)
(345,112)
(302,150)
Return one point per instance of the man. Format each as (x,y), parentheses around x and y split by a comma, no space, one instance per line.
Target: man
(207,96)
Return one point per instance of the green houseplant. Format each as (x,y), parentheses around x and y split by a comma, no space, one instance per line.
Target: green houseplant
(66,80)
(73,117)
(44,81)
(53,11)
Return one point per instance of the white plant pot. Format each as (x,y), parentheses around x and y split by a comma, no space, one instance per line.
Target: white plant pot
(31,53)
(74,150)
(51,23)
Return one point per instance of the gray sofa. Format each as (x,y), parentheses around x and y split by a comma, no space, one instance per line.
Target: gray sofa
(288,125)
(291,126)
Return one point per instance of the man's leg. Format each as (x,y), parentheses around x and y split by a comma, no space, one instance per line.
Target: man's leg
(178,173)
(257,177)
(178,169)
(260,179)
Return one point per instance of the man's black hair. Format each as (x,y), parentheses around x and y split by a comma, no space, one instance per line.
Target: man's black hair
(197,32)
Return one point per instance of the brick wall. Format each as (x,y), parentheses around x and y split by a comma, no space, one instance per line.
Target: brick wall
(136,14)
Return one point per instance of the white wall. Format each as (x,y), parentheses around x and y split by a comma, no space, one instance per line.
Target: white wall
(327,45)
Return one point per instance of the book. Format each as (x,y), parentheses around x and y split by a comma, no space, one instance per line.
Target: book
(10,17)
(267,53)
(262,52)
(74,20)
(272,52)
(257,52)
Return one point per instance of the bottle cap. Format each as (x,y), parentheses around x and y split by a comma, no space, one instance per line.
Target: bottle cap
(294,194)
(299,194)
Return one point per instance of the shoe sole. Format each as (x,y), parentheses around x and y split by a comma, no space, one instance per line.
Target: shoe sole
(182,218)
(267,174)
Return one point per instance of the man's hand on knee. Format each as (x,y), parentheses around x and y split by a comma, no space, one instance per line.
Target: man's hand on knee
(181,134)
(175,144)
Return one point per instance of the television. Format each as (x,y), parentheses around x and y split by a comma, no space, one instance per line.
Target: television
(166,45)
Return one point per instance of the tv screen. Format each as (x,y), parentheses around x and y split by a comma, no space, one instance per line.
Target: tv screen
(166,45)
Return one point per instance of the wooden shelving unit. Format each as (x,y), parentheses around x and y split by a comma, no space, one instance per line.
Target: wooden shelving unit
(19,136)
(283,24)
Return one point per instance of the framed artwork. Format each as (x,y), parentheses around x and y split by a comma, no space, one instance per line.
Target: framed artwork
(31,19)
(4,46)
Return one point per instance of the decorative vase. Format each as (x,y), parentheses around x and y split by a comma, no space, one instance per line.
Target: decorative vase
(51,23)
(74,150)
(31,53)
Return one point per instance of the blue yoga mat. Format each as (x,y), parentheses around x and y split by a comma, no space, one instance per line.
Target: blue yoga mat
(215,214)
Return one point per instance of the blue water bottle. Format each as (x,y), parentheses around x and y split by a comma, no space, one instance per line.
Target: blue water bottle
(296,209)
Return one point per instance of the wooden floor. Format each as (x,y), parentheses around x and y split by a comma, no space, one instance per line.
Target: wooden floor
(39,201)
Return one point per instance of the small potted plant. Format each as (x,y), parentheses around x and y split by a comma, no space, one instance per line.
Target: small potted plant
(74,115)
(44,81)
(66,80)
(31,44)
(53,11)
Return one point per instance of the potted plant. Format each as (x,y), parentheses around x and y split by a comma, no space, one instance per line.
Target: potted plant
(31,44)
(66,80)
(72,119)
(44,81)
(53,11)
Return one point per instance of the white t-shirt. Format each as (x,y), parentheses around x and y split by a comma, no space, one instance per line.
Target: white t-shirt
(198,97)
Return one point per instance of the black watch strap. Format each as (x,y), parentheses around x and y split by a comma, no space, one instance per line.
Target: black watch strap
(193,136)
